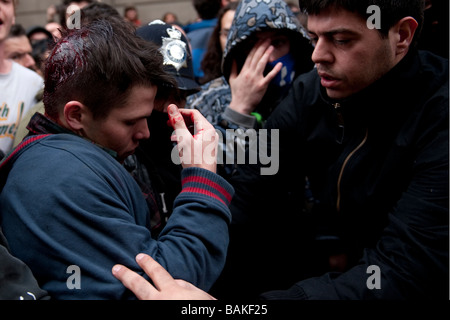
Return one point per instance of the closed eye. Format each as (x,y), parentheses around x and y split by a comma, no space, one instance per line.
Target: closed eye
(341,41)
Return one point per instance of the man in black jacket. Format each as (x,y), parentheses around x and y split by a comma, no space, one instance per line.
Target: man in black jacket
(369,128)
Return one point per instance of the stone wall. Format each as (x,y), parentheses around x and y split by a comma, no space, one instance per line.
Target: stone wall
(33,12)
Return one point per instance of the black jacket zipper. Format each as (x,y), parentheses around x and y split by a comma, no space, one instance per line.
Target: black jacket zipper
(340,139)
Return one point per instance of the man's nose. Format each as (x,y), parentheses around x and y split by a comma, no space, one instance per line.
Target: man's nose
(144,131)
(322,53)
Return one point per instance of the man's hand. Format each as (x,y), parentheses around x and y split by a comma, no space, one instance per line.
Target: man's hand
(165,287)
(249,86)
(196,138)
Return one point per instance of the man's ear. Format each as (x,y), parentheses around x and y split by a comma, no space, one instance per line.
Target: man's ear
(75,115)
(405,30)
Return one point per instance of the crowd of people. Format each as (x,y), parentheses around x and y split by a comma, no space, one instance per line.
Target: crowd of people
(119,153)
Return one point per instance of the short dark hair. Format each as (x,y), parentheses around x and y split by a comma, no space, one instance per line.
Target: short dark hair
(129,8)
(207,9)
(392,11)
(17,30)
(98,65)
(67,2)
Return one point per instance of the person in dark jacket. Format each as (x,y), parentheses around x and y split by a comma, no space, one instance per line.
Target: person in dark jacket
(369,127)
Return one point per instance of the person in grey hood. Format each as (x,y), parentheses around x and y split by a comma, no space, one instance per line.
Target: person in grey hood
(266,49)
(260,25)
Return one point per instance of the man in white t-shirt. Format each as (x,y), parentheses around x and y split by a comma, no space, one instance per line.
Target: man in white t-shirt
(18,85)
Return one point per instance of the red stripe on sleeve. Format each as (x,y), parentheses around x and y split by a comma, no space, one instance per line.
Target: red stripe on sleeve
(203,191)
(208,182)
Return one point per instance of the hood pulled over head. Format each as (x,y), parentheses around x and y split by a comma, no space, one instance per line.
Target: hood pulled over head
(260,15)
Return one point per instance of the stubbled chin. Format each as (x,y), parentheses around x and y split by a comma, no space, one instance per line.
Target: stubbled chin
(337,94)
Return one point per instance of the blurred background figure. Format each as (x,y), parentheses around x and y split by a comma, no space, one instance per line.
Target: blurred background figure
(41,50)
(131,15)
(54,28)
(53,17)
(199,32)
(41,41)
(18,84)
(37,33)
(170,18)
(225,2)
(212,61)
(17,47)
(52,13)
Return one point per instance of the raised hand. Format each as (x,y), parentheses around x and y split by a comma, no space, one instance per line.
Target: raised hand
(197,140)
(250,84)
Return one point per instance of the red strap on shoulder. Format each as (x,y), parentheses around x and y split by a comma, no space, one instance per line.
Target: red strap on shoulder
(22,145)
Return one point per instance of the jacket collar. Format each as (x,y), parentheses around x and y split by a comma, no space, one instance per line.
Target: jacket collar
(395,87)
(40,124)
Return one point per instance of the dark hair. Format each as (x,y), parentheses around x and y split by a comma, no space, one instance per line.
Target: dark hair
(99,64)
(129,8)
(212,61)
(67,2)
(207,9)
(392,11)
(17,30)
